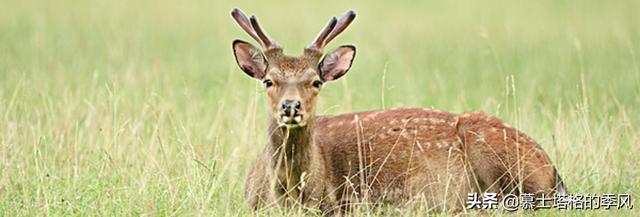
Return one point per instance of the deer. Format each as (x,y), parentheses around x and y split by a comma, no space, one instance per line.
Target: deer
(405,157)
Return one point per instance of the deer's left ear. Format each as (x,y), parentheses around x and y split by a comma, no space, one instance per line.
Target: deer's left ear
(337,62)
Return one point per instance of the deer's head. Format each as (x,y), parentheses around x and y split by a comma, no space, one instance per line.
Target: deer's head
(292,83)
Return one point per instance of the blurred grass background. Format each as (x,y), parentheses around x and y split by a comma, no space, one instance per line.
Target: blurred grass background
(138,108)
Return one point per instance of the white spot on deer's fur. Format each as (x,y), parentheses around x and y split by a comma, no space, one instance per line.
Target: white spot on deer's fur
(506,125)
(494,130)
(480,137)
(415,120)
(453,123)
(393,122)
(404,155)
(372,115)
(428,144)
(436,121)
(405,121)
(382,136)
(405,134)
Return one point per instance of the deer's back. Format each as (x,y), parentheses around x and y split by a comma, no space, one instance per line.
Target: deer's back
(386,151)
(401,152)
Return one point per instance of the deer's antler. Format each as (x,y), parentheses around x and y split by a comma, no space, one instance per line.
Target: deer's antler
(331,30)
(252,27)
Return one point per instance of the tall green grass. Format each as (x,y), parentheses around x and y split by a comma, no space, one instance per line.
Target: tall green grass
(118,108)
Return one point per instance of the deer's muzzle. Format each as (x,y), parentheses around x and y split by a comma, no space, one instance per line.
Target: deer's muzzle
(290,114)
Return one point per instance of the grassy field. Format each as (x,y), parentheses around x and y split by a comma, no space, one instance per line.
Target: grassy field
(121,108)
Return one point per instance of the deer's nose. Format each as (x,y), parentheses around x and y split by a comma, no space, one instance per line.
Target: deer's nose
(291,107)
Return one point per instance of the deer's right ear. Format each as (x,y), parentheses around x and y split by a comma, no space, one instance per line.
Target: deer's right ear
(250,59)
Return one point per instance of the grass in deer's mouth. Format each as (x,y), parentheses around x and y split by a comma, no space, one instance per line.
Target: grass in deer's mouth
(138,108)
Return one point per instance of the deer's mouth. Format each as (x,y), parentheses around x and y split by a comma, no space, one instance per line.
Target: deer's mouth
(292,121)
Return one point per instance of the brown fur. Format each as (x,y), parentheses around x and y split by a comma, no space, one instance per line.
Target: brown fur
(408,158)
(404,157)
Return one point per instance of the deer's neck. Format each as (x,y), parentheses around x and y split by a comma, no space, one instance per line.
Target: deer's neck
(293,151)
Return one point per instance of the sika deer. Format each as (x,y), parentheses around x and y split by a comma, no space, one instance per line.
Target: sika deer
(403,157)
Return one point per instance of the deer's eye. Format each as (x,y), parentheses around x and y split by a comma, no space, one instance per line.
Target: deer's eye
(317,83)
(267,83)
